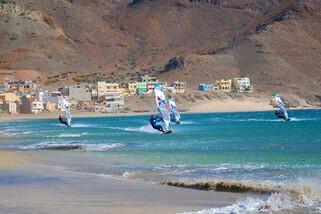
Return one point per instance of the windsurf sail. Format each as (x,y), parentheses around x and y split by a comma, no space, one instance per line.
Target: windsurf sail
(65,108)
(162,107)
(281,106)
(175,116)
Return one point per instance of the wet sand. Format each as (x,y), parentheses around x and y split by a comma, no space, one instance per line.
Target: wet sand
(26,187)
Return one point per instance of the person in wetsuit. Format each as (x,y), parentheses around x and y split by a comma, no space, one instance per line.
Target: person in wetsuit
(280,114)
(62,120)
(153,122)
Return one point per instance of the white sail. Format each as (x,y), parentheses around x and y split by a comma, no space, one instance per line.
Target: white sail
(173,108)
(65,108)
(162,107)
(281,106)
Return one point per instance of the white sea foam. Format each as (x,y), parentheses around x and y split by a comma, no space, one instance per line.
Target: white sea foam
(143,129)
(129,175)
(306,195)
(102,147)
(80,125)
(187,122)
(72,135)
(71,146)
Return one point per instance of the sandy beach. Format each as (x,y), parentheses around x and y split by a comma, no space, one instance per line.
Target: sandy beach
(211,106)
(28,187)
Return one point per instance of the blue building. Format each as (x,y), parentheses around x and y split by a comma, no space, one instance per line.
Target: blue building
(3,89)
(205,87)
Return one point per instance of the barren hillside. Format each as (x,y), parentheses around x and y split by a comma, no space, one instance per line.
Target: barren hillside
(277,42)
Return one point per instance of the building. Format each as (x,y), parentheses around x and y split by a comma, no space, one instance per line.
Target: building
(47,96)
(3,89)
(151,86)
(9,107)
(64,90)
(114,102)
(141,87)
(180,87)
(30,105)
(43,96)
(79,93)
(94,94)
(9,97)
(224,85)
(104,88)
(56,94)
(242,85)
(37,107)
(148,79)
(205,87)
(169,89)
(132,88)
(129,88)
(51,107)
(216,88)
(21,87)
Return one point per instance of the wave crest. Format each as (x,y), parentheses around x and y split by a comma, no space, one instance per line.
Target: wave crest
(71,146)
(304,197)
(225,186)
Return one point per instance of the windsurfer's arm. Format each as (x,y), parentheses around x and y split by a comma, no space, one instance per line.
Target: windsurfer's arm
(158,119)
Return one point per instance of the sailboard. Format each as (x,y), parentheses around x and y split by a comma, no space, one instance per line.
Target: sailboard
(282,107)
(65,108)
(175,116)
(162,107)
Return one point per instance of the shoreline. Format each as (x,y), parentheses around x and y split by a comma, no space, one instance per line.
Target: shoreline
(54,115)
(53,190)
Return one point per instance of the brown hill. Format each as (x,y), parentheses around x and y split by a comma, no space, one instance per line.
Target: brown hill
(277,43)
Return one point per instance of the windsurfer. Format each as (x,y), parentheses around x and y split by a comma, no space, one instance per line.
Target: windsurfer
(282,112)
(153,122)
(63,120)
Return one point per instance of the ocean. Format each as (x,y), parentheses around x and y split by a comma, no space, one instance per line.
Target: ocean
(248,148)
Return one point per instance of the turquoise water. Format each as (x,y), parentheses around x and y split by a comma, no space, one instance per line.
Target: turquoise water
(252,146)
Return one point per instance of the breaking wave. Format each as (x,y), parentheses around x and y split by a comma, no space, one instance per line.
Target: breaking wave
(303,196)
(71,146)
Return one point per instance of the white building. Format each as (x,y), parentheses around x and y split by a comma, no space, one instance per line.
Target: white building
(242,85)
(115,101)
(37,107)
(43,96)
(148,79)
(79,93)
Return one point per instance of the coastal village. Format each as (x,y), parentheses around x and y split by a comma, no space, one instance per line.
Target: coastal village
(24,96)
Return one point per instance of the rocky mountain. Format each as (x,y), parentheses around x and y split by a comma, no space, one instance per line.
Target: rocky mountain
(275,42)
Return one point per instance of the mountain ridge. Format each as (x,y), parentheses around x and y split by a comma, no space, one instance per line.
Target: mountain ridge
(276,43)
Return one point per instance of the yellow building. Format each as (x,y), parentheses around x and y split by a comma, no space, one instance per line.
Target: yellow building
(104,88)
(132,88)
(51,107)
(224,85)
(9,97)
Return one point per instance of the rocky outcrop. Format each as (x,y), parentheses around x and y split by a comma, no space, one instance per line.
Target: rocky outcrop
(11,9)
(174,63)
